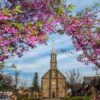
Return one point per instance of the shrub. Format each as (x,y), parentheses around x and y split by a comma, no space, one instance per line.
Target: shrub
(67,98)
(26,98)
(81,98)
(78,98)
(87,98)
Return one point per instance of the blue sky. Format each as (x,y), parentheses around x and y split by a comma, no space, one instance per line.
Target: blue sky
(38,59)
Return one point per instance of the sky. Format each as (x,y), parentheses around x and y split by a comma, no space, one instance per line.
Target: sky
(38,59)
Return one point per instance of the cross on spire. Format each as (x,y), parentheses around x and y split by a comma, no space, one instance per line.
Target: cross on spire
(53,47)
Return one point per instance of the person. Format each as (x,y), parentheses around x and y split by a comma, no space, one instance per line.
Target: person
(95,94)
(13,97)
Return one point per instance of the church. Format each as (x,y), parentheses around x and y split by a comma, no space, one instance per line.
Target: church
(53,83)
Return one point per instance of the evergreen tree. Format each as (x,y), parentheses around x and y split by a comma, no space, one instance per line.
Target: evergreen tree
(6,82)
(35,84)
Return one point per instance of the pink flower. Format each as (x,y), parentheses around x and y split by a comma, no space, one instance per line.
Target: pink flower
(0,37)
(6,42)
(32,40)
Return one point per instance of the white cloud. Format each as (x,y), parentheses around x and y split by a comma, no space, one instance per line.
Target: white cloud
(38,59)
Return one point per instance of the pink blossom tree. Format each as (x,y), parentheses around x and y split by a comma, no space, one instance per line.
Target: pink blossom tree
(23,23)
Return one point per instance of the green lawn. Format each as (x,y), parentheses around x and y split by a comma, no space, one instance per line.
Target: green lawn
(78,98)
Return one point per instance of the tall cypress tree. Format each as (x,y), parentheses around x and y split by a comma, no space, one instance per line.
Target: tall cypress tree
(35,84)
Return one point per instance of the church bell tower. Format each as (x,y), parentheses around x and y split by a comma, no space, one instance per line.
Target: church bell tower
(53,62)
(53,82)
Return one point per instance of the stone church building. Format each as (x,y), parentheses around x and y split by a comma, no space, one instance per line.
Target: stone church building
(53,83)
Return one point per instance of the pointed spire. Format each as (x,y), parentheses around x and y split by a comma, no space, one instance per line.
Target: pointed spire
(53,57)
(53,47)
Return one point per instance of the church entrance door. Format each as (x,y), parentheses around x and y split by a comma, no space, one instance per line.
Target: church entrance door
(53,95)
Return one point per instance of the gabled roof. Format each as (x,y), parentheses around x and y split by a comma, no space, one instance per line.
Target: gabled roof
(61,73)
(46,75)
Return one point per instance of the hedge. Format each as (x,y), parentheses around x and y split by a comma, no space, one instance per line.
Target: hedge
(78,98)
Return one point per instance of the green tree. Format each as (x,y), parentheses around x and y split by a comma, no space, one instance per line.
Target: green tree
(6,82)
(1,66)
(35,84)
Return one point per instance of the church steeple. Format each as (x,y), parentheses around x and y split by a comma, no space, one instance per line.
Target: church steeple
(53,58)
(53,47)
